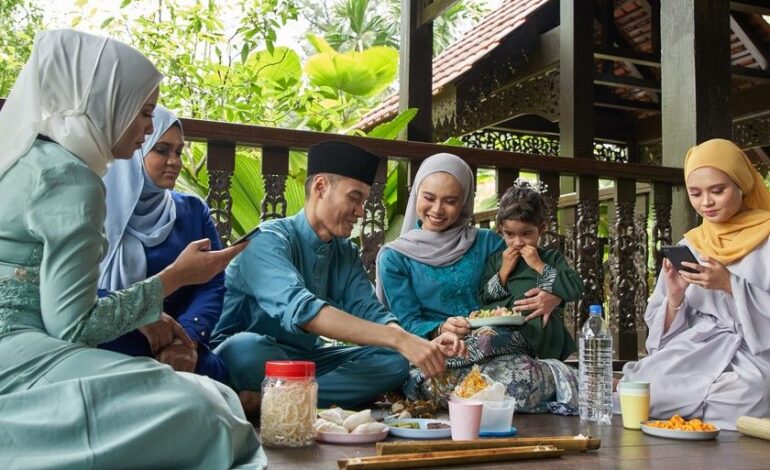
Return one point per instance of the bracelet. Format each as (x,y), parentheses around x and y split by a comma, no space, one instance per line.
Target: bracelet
(676,309)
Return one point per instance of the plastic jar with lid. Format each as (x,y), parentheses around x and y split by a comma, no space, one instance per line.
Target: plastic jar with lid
(289,398)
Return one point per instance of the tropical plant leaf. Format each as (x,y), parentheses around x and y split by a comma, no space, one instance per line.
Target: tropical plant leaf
(392,128)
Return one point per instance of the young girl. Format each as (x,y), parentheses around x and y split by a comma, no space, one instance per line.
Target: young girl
(522,267)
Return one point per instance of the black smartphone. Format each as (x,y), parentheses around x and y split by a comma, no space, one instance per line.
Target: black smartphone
(245,237)
(678,253)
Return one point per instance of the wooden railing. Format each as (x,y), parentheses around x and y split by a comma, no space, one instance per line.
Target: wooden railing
(628,241)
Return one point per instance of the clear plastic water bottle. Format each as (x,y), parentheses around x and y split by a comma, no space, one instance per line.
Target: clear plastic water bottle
(595,356)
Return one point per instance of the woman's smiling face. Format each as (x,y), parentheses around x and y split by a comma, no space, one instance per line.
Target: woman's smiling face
(713,194)
(440,201)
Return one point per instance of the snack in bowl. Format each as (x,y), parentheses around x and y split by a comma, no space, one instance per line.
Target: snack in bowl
(339,421)
(677,423)
(472,384)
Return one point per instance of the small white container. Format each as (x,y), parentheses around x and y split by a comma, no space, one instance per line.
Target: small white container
(497,416)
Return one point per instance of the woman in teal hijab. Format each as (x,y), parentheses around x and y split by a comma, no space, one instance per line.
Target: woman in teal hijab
(79,102)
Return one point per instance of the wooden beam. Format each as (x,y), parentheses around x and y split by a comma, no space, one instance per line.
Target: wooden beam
(627,82)
(609,100)
(751,41)
(750,101)
(754,74)
(429,10)
(757,7)
(416,72)
(627,55)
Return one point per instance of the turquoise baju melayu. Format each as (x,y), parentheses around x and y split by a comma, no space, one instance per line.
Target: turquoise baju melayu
(64,404)
(280,283)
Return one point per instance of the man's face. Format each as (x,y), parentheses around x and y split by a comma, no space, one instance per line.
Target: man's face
(341,205)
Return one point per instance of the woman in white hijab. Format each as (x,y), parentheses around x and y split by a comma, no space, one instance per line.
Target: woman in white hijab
(430,278)
(148,225)
(79,102)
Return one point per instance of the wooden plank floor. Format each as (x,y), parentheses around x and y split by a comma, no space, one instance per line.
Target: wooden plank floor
(621,448)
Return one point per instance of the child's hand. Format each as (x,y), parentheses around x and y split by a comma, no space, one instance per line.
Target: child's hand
(532,258)
(510,257)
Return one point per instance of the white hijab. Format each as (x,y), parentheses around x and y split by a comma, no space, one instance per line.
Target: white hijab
(139,213)
(436,248)
(82,91)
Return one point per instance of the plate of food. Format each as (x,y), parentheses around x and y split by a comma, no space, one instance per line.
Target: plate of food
(416,428)
(338,426)
(680,428)
(499,316)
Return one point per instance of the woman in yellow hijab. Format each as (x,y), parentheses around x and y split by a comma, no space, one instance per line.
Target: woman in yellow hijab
(709,331)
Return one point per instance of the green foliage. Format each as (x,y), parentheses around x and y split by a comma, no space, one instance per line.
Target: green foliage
(221,62)
(355,25)
(20,20)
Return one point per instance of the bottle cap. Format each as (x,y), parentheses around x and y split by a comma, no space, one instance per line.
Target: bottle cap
(595,309)
(290,369)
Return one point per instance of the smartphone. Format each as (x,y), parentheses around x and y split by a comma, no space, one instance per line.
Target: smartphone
(678,253)
(245,237)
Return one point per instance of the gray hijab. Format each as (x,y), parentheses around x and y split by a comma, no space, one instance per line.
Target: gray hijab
(436,248)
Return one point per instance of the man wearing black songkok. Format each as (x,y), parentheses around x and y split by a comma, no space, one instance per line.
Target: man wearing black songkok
(301,278)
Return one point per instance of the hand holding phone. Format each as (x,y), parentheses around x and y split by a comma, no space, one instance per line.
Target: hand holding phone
(245,237)
(677,254)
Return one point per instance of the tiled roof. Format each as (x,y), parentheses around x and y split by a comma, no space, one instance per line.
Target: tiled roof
(465,53)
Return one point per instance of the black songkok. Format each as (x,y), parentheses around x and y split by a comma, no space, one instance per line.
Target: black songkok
(344,159)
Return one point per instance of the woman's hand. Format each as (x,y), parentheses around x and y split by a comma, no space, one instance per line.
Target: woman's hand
(179,356)
(163,332)
(540,302)
(711,275)
(509,259)
(458,326)
(450,345)
(197,264)
(675,284)
(532,258)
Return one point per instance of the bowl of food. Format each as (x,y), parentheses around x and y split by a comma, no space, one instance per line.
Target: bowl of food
(499,316)
(679,428)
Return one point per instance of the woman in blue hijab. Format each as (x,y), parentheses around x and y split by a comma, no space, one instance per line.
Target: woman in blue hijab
(147,226)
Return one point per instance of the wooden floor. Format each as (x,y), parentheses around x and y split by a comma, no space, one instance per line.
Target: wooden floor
(621,448)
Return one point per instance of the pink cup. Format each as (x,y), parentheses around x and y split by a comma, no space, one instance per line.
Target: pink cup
(465,419)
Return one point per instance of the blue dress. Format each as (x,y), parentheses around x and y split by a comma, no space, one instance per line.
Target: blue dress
(63,403)
(197,308)
(280,282)
(423,297)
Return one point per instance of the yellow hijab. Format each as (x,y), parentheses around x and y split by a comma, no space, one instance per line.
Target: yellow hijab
(731,240)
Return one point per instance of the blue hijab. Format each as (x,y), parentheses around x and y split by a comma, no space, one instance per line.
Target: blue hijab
(139,213)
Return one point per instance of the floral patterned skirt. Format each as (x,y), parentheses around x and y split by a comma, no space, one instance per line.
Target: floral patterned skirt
(537,385)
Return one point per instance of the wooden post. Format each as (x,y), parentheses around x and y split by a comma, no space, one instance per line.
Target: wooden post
(695,66)
(416,71)
(576,127)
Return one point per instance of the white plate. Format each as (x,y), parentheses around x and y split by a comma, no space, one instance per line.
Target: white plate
(497,321)
(684,435)
(347,438)
(422,433)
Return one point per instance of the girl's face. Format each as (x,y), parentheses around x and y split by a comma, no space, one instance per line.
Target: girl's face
(164,160)
(133,137)
(713,194)
(439,201)
(517,234)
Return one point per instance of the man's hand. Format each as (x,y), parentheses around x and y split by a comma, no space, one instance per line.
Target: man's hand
(163,332)
(541,303)
(509,259)
(427,355)
(451,345)
(182,358)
